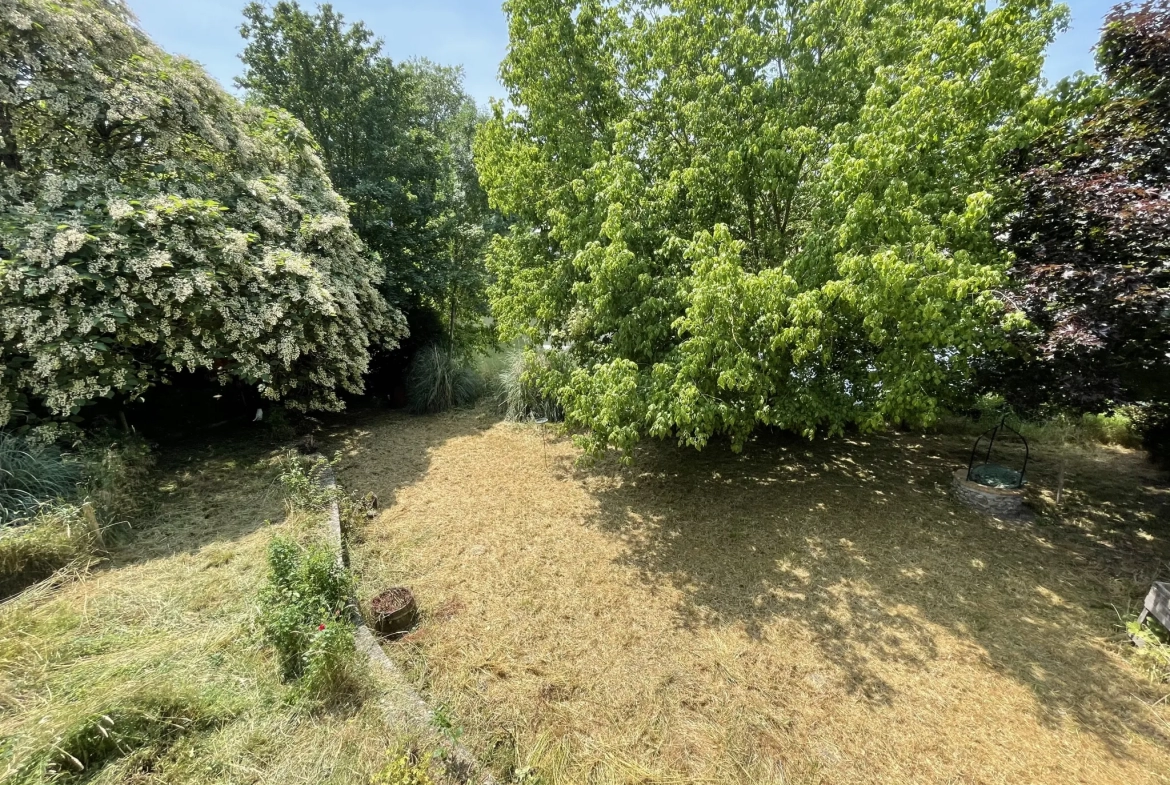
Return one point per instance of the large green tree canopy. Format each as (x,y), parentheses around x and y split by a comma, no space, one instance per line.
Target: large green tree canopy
(739,213)
(332,76)
(396,139)
(151,223)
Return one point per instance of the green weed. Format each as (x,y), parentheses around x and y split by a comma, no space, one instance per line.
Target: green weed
(302,482)
(1153,655)
(304,613)
(404,769)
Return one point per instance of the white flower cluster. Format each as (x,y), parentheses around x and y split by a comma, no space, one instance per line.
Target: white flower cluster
(125,265)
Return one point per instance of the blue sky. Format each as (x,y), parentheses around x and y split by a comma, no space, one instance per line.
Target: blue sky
(471,33)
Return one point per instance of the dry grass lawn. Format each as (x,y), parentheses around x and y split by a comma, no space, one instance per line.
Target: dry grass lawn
(802,613)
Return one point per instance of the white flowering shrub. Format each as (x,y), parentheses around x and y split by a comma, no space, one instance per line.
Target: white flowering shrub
(151,223)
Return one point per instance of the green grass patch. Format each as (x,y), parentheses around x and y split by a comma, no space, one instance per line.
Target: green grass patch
(155,666)
(57,537)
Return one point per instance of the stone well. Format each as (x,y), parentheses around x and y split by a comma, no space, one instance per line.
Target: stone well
(1000,502)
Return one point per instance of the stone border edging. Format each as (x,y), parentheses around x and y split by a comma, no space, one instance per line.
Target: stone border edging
(403,705)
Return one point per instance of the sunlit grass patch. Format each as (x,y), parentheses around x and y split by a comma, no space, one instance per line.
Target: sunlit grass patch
(153,668)
(812,612)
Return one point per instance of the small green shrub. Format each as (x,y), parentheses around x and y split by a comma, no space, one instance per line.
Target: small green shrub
(517,386)
(33,474)
(41,490)
(302,481)
(405,769)
(304,612)
(438,380)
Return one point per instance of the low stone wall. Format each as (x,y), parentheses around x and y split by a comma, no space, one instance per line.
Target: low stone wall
(1000,502)
(401,704)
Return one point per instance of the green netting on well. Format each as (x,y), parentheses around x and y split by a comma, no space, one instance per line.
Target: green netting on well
(995,476)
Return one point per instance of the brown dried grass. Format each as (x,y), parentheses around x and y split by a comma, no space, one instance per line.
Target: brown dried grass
(802,613)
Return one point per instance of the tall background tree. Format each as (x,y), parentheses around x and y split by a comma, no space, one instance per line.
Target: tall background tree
(465,221)
(1092,233)
(152,225)
(744,213)
(396,141)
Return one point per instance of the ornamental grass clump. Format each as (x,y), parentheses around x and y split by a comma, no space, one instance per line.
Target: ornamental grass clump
(518,386)
(56,508)
(440,379)
(154,224)
(31,475)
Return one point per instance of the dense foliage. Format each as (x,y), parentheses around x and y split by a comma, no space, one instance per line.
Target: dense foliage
(733,214)
(396,140)
(1092,235)
(304,609)
(466,222)
(150,223)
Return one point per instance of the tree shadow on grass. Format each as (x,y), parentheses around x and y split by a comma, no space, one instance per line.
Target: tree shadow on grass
(214,488)
(385,451)
(859,544)
(220,486)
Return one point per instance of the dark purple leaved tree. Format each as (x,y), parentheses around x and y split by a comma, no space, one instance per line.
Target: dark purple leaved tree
(1092,236)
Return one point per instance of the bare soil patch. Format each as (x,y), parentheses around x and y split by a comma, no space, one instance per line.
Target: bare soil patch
(803,613)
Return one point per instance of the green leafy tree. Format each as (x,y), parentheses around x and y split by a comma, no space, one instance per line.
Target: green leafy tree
(150,224)
(744,213)
(358,106)
(397,142)
(465,222)
(1092,235)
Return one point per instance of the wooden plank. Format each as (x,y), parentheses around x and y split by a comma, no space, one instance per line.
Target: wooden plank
(1158,603)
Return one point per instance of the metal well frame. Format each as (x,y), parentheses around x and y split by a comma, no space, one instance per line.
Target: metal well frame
(991,436)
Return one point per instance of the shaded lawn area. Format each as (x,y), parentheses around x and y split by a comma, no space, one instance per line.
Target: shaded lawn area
(803,613)
(150,668)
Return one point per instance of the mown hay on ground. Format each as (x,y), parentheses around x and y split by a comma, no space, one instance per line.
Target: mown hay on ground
(802,613)
(150,668)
